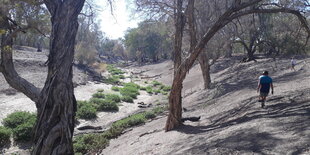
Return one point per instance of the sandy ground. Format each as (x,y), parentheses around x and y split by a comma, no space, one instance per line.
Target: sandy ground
(232,121)
(29,66)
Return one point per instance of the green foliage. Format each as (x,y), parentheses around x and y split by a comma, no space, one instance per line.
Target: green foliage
(112,80)
(127,99)
(85,144)
(114,97)
(166,88)
(156,83)
(5,135)
(17,118)
(143,88)
(92,143)
(86,111)
(149,90)
(21,123)
(157,91)
(114,71)
(148,42)
(98,95)
(131,84)
(107,105)
(115,88)
(23,132)
(130,89)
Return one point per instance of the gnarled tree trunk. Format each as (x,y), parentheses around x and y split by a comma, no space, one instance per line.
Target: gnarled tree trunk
(203,60)
(57,104)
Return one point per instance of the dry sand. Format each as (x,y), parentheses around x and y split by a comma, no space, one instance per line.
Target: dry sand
(232,121)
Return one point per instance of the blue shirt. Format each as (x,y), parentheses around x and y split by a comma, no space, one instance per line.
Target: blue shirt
(265,82)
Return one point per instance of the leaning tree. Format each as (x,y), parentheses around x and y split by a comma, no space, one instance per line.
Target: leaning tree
(56,103)
(233,10)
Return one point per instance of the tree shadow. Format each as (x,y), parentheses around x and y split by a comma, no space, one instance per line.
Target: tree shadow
(295,113)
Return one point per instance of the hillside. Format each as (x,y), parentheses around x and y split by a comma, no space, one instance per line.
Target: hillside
(232,121)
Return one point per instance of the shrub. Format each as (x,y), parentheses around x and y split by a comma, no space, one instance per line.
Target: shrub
(157,91)
(114,71)
(130,121)
(121,76)
(131,90)
(84,144)
(149,114)
(23,132)
(81,103)
(112,80)
(127,99)
(156,83)
(166,88)
(149,90)
(5,135)
(87,111)
(143,88)
(115,88)
(114,97)
(17,118)
(107,105)
(22,124)
(98,95)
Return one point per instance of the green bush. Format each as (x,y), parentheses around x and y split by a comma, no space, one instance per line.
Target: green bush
(85,144)
(157,91)
(149,114)
(5,135)
(166,88)
(114,97)
(21,123)
(115,88)
(130,89)
(17,118)
(143,88)
(149,90)
(156,83)
(121,76)
(24,131)
(131,84)
(112,80)
(127,99)
(98,95)
(108,105)
(87,111)
(114,71)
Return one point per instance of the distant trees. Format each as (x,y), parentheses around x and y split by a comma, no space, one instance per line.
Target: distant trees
(149,42)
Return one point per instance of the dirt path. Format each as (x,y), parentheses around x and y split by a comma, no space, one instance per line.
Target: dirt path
(234,123)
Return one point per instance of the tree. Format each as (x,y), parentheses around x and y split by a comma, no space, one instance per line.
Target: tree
(56,104)
(234,10)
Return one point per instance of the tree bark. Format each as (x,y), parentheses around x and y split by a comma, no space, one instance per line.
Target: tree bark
(203,60)
(175,97)
(57,104)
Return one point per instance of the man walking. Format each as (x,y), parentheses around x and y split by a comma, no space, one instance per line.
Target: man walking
(263,88)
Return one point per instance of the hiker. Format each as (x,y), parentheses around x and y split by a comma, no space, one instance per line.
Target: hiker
(293,64)
(264,84)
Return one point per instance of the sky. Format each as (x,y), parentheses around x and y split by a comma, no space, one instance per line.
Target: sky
(115,26)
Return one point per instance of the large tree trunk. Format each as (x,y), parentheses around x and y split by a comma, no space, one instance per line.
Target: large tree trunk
(203,60)
(57,104)
(175,98)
